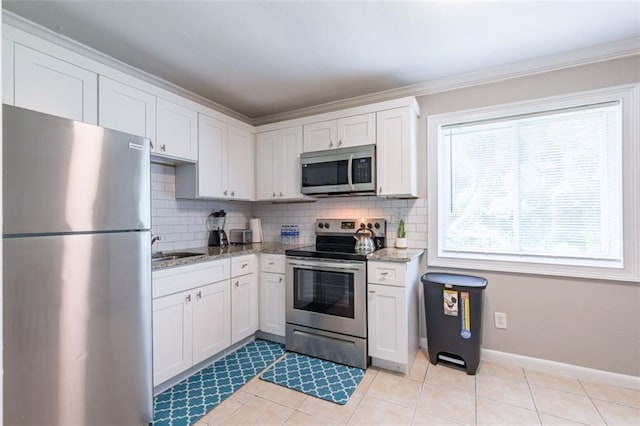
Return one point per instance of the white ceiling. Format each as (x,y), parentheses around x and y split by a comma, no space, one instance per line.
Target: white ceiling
(262,58)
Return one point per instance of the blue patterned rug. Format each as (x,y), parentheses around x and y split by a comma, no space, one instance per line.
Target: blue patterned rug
(322,379)
(191,399)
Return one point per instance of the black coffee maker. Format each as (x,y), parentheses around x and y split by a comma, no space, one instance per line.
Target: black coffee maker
(215,225)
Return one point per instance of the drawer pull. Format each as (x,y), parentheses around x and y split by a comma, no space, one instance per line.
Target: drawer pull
(188,298)
(244,265)
(199,294)
(270,263)
(237,284)
(384,274)
(372,292)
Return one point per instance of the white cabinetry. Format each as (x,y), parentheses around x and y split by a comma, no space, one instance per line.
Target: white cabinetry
(125,108)
(396,153)
(7,71)
(240,164)
(191,316)
(47,84)
(393,314)
(244,297)
(272,294)
(278,164)
(225,163)
(340,133)
(176,131)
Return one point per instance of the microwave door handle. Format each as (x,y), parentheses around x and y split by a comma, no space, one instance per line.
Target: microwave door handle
(350,171)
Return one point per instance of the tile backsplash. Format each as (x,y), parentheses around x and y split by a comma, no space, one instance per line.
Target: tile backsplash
(181,223)
(414,213)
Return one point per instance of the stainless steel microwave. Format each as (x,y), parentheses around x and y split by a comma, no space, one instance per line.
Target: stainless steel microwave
(339,171)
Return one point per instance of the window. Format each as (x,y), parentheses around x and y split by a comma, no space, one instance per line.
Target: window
(549,186)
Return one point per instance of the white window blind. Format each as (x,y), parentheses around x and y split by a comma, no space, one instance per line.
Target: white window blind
(534,186)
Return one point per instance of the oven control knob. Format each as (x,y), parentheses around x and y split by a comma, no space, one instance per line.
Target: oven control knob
(326,225)
(377,225)
(320,225)
(362,225)
(369,225)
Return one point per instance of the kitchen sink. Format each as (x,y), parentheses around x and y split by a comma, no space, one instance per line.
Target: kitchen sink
(161,257)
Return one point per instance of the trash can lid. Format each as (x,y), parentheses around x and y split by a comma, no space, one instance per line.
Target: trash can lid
(454,279)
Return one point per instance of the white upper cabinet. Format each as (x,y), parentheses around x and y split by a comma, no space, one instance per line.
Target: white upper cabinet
(127,109)
(212,155)
(340,133)
(7,71)
(357,130)
(278,164)
(396,153)
(320,136)
(240,164)
(225,163)
(47,84)
(176,131)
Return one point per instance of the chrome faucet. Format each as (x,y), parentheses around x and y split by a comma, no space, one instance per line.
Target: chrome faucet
(153,240)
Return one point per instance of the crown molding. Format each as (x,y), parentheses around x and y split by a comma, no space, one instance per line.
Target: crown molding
(37,30)
(579,57)
(574,58)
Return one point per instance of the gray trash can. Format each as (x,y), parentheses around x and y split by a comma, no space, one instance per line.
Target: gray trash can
(453,307)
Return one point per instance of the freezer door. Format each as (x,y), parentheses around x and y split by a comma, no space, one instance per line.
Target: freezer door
(65,176)
(77,329)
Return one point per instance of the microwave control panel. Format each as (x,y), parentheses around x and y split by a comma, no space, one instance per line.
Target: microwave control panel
(362,170)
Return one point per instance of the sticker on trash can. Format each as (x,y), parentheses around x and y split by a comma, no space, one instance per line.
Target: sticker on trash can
(465,332)
(450,298)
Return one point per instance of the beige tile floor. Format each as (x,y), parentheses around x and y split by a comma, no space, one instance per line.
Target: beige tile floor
(439,395)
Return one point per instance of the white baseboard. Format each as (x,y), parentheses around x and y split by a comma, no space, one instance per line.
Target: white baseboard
(562,369)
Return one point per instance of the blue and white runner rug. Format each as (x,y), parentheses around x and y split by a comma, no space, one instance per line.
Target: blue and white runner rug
(191,399)
(312,376)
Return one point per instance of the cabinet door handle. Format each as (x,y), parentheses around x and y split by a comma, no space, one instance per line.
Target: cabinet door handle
(281,195)
(270,263)
(151,143)
(237,284)
(199,294)
(244,265)
(380,190)
(163,147)
(226,192)
(330,144)
(188,298)
(340,142)
(233,193)
(274,195)
(280,279)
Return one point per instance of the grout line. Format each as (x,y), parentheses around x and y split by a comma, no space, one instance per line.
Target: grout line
(592,402)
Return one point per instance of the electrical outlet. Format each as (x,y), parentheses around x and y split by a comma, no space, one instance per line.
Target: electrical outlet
(500,319)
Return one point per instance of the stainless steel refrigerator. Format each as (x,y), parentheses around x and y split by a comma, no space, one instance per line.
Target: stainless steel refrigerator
(77,273)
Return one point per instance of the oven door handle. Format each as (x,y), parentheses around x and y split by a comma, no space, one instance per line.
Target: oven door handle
(329,265)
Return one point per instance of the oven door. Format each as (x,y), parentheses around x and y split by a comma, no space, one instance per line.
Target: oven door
(327,295)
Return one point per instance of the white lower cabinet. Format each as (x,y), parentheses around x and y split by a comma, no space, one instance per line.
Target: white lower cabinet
(191,316)
(272,294)
(244,297)
(393,314)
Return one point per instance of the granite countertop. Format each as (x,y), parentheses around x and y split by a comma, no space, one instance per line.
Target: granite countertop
(213,253)
(395,255)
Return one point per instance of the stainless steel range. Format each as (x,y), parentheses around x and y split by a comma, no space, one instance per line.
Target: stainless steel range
(326,292)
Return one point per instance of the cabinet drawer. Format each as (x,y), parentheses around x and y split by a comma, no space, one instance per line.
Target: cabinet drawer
(181,278)
(272,263)
(243,265)
(387,273)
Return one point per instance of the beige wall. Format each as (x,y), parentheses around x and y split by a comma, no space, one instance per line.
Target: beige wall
(593,324)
